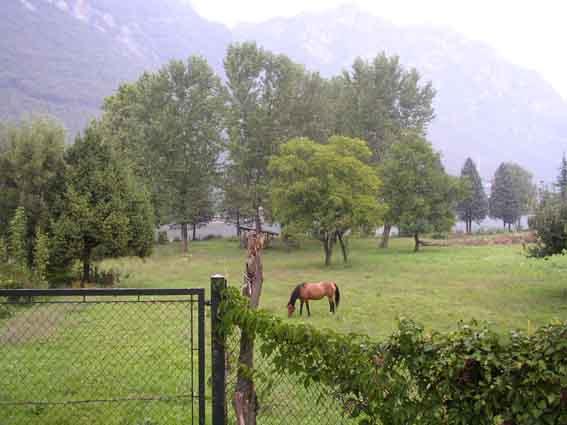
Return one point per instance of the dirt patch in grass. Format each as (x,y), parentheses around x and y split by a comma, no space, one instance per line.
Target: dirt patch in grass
(499,239)
(36,322)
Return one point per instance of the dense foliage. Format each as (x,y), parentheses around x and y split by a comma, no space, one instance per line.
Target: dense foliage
(550,218)
(325,190)
(512,193)
(31,175)
(469,376)
(378,100)
(169,125)
(106,213)
(421,197)
(474,206)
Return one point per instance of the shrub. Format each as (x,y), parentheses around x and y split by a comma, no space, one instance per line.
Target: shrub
(550,224)
(469,376)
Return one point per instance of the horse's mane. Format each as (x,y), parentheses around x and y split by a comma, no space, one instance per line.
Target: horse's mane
(295,294)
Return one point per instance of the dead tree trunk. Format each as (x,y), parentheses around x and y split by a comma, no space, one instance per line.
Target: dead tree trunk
(244,401)
(386,235)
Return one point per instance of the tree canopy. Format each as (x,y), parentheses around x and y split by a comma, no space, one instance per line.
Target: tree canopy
(378,100)
(325,189)
(170,125)
(474,207)
(421,197)
(32,171)
(512,193)
(105,213)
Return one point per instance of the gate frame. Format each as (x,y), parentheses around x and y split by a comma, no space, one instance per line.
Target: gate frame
(121,292)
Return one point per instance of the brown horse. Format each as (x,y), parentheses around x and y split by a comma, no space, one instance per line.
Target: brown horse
(314,291)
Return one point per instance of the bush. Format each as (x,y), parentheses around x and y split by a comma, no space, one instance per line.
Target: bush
(469,376)
(550,225)
(106,278)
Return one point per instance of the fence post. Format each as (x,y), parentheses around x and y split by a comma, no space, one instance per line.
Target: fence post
(218,283)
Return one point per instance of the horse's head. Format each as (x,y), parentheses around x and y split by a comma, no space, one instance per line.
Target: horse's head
(290,309)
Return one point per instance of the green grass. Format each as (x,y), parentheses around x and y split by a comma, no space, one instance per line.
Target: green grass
(437,287)
(65,352)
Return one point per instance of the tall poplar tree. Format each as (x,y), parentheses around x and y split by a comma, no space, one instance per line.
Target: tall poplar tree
(561,182)
(263,92)
(474,207)
(170,125)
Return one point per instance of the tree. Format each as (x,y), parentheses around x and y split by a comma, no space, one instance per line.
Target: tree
(474,207)
(380,100)
(561,182)
(421,197)
(512,193)
(170,125)
(326,190)
(263,91)
(18,241)
(41,257)
(106,213)
(32,170)
(550,218)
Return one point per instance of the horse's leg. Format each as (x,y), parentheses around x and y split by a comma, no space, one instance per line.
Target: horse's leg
(331,306)
(301,308)
(308,311)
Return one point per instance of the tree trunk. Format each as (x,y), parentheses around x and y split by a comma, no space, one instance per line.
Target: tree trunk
(238,223)
(386,236)
(342,242)
(328,246)
(258,221)
(194,232)
(86,275)
(86,272)
(245,401)
(417,242)
(184,237)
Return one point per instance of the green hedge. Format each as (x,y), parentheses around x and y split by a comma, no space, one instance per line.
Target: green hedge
(470,376)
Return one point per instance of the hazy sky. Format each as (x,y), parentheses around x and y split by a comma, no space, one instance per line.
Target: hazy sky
(531,33)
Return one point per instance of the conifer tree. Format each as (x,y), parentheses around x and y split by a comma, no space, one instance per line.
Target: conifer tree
(41,257)
(475,206)
(512,194)
(561,182)
(17,242)
(106,213)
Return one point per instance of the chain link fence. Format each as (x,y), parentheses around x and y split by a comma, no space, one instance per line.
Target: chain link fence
(283,398)
(101,360)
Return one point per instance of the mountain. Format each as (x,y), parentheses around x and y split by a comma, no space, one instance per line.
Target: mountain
(64,56)
(486,108)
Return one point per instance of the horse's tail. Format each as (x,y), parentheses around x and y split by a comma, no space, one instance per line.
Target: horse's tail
(337,296)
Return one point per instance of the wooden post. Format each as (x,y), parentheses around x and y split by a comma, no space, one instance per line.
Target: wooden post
(244,401)
(218,283)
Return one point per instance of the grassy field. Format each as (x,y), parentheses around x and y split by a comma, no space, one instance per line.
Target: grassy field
(65,353)
(437,287)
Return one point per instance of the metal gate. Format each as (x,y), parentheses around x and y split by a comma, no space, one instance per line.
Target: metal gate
(102,356)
